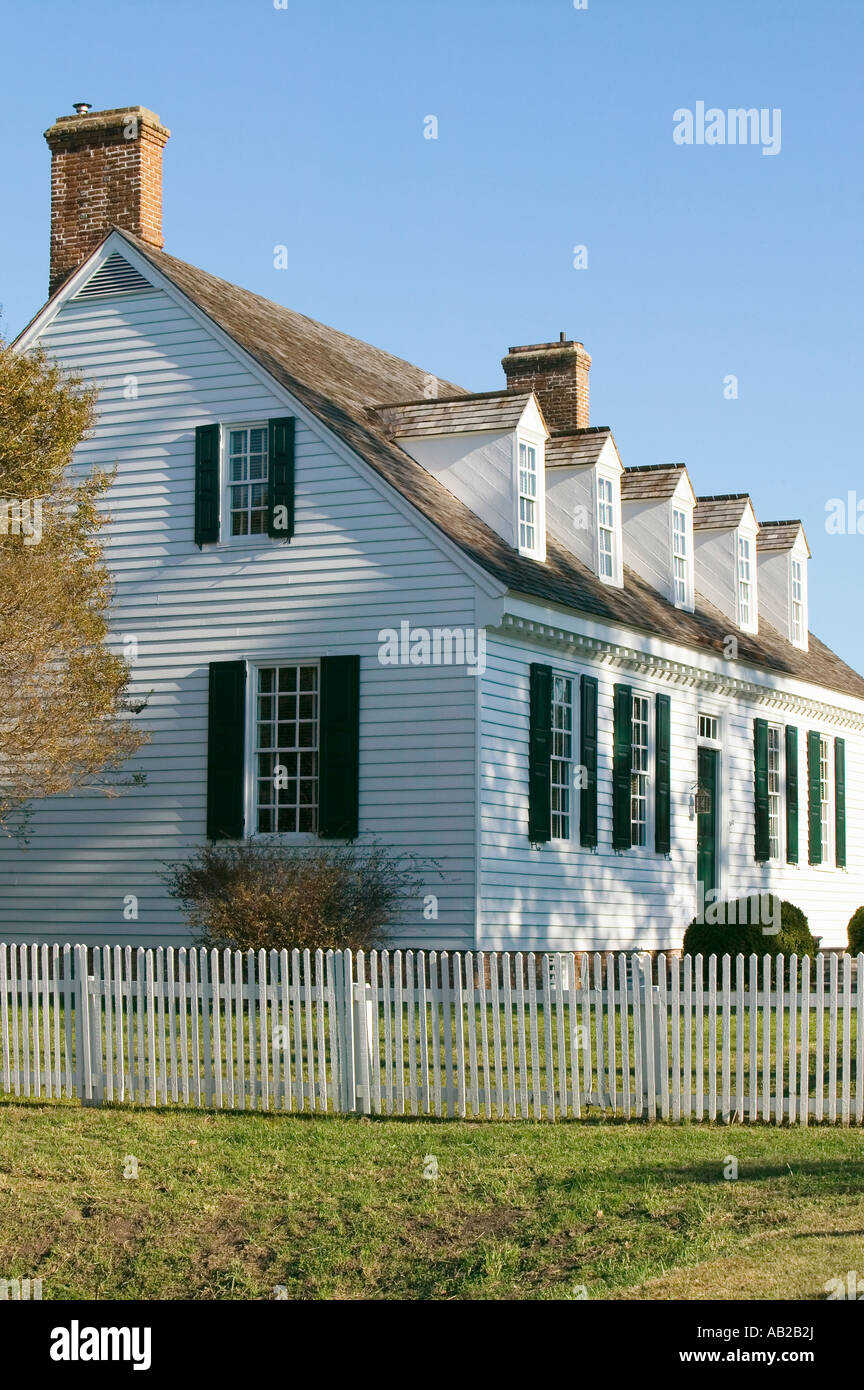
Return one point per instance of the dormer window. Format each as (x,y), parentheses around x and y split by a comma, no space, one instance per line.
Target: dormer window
(527,497)
(797,602)
(680,557)
(605,528)
(745,582)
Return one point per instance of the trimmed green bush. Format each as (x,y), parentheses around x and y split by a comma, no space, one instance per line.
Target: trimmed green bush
(856,931)
(740,927)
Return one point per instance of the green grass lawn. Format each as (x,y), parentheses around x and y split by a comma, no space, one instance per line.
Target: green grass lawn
(229,1206)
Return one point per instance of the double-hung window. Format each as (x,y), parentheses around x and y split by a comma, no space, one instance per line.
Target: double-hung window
(679,555)
(246,451)
(797,602)
(286,748)
(745,583)
(825,797)
(527,496)
(774,791)
(562,757)
(606,528)
(639,771)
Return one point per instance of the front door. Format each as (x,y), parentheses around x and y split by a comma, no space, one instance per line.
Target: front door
(706,820)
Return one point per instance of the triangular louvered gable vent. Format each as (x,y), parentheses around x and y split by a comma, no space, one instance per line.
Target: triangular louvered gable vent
(115,276)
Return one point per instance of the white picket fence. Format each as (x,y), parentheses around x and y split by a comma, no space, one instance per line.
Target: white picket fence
(485,1034)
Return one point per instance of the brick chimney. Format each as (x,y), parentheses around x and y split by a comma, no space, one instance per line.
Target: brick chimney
(558,374)
(106,169)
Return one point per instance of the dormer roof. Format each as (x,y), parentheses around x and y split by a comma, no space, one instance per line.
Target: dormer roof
(780,535)
(580,447)
(722,512)
(487,410)
(652,481)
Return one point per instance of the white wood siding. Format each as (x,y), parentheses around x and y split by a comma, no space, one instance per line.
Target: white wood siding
(356,565)
(479,469)
(716,559)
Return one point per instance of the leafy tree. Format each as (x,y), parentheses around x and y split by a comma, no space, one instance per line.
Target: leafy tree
(63,707)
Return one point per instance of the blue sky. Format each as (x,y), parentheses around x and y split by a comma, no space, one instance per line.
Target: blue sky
(303,126)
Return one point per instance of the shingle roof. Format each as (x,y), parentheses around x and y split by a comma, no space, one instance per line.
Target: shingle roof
(720,512)
(488,410)
(577,448)
(779,535)
(339,378)
(654,481)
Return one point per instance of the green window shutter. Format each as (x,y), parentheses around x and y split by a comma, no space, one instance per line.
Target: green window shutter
(540,754)
(588,759)
(840,802)
(622,766)
(814,808)
(280,493)
(663,773)
(791,794)
(760,759)
(226,725)
(206,484)
(339,754)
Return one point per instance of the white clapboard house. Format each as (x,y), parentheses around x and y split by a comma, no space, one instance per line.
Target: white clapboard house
(454,621)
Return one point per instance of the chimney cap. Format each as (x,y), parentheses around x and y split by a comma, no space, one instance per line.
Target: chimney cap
(82,107)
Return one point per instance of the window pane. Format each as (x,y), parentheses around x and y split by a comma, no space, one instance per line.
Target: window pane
(247,463)
(562,757)
(639,773)
(287,749)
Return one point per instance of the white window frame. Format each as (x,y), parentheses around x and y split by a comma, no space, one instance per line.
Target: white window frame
(526,441)
(565,766)
(253,667)
(777,796)
(750,623)
(826,803)
(225,428)
(646,774)
(604,478)
(799,603)
(685,556)
(708,739)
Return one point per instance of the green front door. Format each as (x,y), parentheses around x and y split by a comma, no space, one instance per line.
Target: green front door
(706,820)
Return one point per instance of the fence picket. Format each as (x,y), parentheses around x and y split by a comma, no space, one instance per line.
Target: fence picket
(398,1032)
(423,1040)
(804,1089)
(471,1022)
(792,1108)
(698,970)
(780,1040)
(559,1021)
(688,1037)
(832,1040)
(484,1033)
(675,1002)
(819,1040)
(508,1035)
(411,1032)
(847,1039)
(625,1035)
(459,1037)
(661,1043)
(4,1018)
